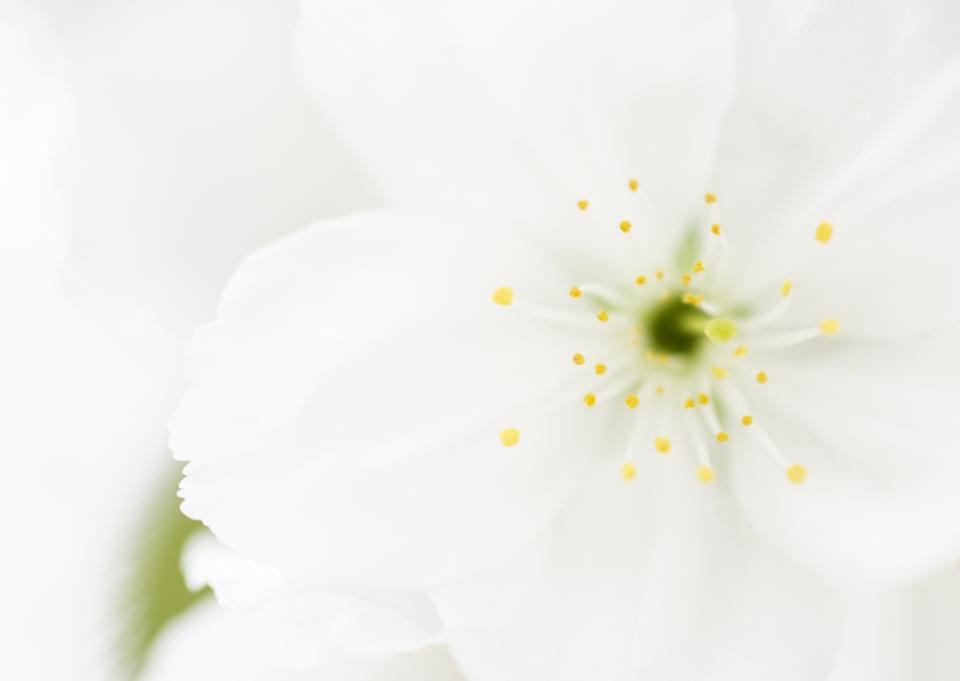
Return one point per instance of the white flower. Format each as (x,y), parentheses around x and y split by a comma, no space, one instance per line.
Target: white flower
(362,415)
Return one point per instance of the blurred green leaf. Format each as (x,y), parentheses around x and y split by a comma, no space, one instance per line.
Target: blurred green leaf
(155,592)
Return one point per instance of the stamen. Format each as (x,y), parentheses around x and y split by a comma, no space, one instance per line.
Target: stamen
(715,228)
(640,281)
(747,420)
(824,232)
(663,445)
(633,184)
(698,267)
(710,198)
(575,292)
(722,436)
(797,473)
(703,398)
(603,316)
(579,359)
(762,377)
(631,401)
(741,351)
(625,226)
(660,274)
(686,278)
(628,471)
(590,399)
(828,327)
(719,372)
(503,296)
(600,369)
(583,204)
(689,403)
(776,312)
(509,437)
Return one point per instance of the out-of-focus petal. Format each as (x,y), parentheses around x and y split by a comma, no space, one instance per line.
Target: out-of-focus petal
(509,107)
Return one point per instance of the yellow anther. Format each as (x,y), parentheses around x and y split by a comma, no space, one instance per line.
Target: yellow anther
(583,204)
(710,198)
(741,351)
(722,436)
(662,358)
(575,292)
(640,281)
(689,403)
(660,274)
(663,445)
(703,398)
(698,267)
(715,228)
(600,369)
(705,474)
(686,278)
(631,401)
(762,377)
(589,399)
(502,296)
(633,184)
(625,226)
(797,473)
(786,288)
(509,437)
(691,299)
(720,330)
(628,471)
(603,316)
(579,359)
(747,420)
(719,372)
(829,326)
(660,390)
(824,232)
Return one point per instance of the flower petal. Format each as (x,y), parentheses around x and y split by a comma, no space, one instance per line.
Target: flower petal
(309,624)
(655,578)
(208,642)
(874,426)
(345,410)
(503,103)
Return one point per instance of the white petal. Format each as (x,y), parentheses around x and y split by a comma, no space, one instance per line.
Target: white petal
(307,624)
(208,642)
(193,142)
(874,426)
(511,106)
(649,579)
(345,409)
(830,99)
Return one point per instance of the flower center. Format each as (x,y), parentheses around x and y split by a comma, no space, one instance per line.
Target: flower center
(690,375)
(676,328)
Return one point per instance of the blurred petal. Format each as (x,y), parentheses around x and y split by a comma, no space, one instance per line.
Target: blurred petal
(308,624)
(209,642)
(511,107)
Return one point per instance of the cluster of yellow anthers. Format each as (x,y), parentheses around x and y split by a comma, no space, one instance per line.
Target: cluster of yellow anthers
(680,332)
